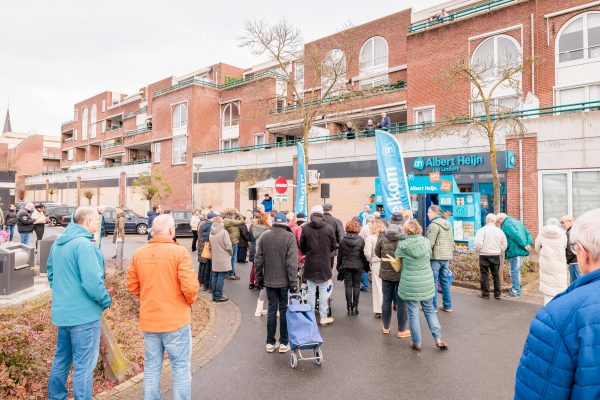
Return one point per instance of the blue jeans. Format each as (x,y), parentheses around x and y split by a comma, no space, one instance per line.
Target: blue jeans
(11,231)
(441,272)
(574,272)
(312,296)
(515,274)
(388,288)
(365,280)
(218,280)
(233,258)
(208,274)
(25,237)
(179,348)
(80,345)
(430,316)
(277,301)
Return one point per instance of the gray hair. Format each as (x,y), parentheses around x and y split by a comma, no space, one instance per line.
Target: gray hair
(290,216)
(162,223)
(552,221)
(585,231)
(101,207)
(370,218)
(230,212)
(491,218)
(30,205)
(501,216)
(377,214)
(83,213)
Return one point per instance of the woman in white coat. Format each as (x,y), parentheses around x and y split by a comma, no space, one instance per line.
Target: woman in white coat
(375,227)
(551,244)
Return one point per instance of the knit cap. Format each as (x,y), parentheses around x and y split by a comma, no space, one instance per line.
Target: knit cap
(317,209)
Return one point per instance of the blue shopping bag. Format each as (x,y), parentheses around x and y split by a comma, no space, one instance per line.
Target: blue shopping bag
(302,325)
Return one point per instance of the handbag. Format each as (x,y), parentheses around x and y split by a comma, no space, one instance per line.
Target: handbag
(207,251)
(340,275)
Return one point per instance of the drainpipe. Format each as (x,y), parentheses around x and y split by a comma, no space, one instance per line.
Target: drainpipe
(521,180)
(532,55)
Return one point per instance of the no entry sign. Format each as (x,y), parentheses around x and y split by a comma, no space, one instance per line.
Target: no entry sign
(281,185)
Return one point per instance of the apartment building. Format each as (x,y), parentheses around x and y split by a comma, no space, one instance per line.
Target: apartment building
(199,129)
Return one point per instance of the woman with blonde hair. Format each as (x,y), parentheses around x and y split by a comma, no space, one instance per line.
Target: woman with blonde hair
(407,214)
(376,228)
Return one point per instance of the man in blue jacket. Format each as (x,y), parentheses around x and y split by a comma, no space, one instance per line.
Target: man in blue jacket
(155,212)
(562,352)
(385,122)
(519,244)
(76,276)
(267,203)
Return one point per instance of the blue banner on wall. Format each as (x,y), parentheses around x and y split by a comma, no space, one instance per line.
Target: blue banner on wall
(392,173)
(300,206)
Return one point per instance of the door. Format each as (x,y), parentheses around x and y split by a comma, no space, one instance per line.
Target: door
(130,223)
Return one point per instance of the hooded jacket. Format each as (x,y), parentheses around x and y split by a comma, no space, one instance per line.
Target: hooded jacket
(151,215)
(222,249)
(76,277)
(276,258)
(162,275)
(387,243)
(416,280)
(352,253)
(317,241)
(10,218)
(206,230)
(257,231)
(441,238)
(24,221)
(231,225)
(551,244)
(338,228)
(560,357)
(244,238)
(517,237)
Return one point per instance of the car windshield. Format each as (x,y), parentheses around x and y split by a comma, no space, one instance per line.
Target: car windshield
(133,215)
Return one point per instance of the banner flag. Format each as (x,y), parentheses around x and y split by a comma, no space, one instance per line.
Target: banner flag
(300,205)
(392,173)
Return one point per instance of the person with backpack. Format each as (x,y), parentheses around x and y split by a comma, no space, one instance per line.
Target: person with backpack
(520,243)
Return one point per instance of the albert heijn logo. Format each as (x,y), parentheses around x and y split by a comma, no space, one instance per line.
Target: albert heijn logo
(389,150)
(419,163)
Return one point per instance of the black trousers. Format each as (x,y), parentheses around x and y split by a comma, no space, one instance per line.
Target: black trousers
(194,240)
(201,271)
(489,264)
(352,279)
(39,232)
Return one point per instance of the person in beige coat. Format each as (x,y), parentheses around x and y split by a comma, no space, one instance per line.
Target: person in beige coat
(376,226)
(551,244)
(222,251)
(119,231)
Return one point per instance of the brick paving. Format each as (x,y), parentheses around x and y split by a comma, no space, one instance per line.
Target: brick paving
(224,321)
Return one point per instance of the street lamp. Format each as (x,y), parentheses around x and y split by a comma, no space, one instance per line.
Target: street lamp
(195,167)
(68,179)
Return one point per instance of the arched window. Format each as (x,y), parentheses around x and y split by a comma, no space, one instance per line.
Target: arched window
(374,53)
(93,115)
(333,73)
(579,39)
(500,51)
(231,115)
(180,117)
(84,124)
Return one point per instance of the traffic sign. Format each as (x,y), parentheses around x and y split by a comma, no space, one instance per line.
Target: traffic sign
(280,198)
(281,185)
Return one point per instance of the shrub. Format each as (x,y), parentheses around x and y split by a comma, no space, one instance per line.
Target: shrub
(19,360)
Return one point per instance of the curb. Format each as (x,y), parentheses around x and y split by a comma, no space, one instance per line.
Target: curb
(504,288)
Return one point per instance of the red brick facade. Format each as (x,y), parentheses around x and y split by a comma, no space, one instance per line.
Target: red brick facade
(530,183)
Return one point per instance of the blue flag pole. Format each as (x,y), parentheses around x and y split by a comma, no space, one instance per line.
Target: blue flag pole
(300,205)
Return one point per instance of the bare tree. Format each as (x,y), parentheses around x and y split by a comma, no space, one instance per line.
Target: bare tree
(88,192)
(52,191)
(486,117)
(249,177)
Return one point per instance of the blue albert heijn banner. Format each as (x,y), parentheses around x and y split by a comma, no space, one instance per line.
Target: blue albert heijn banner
(392,173)
(300,205)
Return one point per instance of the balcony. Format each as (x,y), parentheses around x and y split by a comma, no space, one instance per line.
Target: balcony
(136,131)
(51,156)
(69,140)
(112,144)
(134,113)
(96,167)
(114,128)
(67,123)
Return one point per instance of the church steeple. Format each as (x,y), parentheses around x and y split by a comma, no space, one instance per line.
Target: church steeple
(7,127)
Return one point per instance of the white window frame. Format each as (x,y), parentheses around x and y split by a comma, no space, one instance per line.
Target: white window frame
(382,66)
(76,114)
(70,154)
(75,134)
(156,153)
(494,103)
(84,123)
(178,140)
(93,118)
(182,124)
(256,140)
(374,82)
(229,108)
(225,141)
(418,110)
(495,61)
(569,173)
(103,105)
(103,126)
(340,84)
(585,59)
(586,90)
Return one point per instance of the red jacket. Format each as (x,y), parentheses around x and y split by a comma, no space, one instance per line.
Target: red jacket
(297,231)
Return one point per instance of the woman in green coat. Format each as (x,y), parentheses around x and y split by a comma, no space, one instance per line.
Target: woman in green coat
(416,283)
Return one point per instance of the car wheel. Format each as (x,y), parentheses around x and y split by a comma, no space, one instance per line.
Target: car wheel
(52,222)
(142,229)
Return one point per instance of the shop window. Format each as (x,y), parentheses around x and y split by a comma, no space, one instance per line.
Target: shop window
(580,39)
(586,191)
(180,117)
(179,151)
(231,115)
(156,152)
(373,54)
(425,115)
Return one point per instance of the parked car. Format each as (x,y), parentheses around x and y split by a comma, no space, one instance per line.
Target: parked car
(182,222)
(134,223)
(55,214)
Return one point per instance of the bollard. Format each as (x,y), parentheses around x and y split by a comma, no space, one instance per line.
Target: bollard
(119,260)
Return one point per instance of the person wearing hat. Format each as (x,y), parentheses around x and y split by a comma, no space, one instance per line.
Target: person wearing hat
(336,224)
(39,223)
(300,219)
(317,241)
(276,269)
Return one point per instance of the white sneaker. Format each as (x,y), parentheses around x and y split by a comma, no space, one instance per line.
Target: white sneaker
(271,347)
(284,348)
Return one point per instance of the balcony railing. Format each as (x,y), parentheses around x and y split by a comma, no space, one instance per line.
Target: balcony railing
(51,156)
(92,168)
(564,109)
(69,140)
(113,144)
(67,123)
(136,131)
(459,14)
(131,114)
(114,128)
(217,86)
(381,88)
(65,159)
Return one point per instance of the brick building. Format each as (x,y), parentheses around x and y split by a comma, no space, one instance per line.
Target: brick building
(201,128)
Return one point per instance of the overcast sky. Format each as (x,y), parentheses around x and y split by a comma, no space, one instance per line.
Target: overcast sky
(55,53)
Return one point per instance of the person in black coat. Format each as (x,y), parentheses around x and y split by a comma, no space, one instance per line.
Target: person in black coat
(337,226)
(317,241)
(243,243)
(351,259)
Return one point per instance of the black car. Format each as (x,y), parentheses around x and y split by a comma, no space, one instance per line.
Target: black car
(55,214)
(182,222)
(134,223)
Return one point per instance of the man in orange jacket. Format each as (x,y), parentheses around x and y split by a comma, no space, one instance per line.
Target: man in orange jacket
(161,274)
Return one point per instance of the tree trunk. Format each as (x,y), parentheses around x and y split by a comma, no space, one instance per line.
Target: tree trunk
(495,177)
